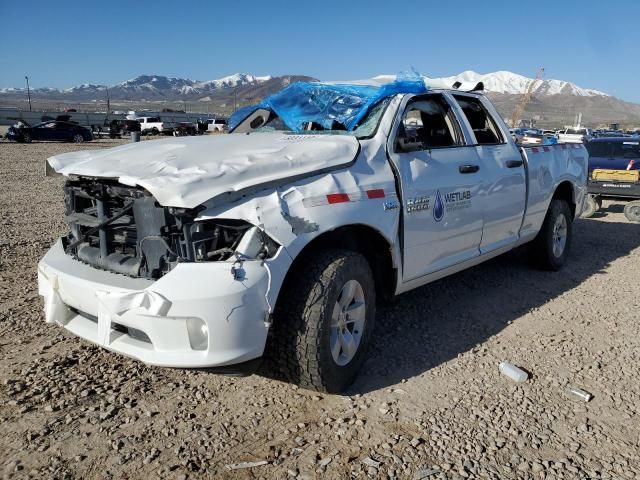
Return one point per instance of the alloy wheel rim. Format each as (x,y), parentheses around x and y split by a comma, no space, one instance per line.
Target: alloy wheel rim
(559,235)
(78,138)
(347,323)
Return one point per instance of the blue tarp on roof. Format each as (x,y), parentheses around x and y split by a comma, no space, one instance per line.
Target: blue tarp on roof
(326,105)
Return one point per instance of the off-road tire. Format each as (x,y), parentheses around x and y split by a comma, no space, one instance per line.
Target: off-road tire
(591,206)
(541,248)
(632,211)
(299,340)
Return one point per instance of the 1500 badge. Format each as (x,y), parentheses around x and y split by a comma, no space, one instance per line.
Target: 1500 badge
(417,203)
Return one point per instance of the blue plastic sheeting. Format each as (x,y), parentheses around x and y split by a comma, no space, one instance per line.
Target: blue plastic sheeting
(328,105)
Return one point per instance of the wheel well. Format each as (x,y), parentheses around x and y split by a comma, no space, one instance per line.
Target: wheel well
(362,239)
(564,191)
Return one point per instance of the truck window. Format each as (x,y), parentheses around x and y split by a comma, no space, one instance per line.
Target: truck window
(599,149)
(626,150)
(482,123)
(428,122)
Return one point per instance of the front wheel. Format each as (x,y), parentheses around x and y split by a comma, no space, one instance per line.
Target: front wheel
(632,211)
(26,138)
(324,321)
(550,248)
(78,138)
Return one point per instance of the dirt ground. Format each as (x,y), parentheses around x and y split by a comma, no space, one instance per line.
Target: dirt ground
(429,403)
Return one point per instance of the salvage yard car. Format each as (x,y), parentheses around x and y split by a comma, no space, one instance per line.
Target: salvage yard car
(52,130)
(276,241)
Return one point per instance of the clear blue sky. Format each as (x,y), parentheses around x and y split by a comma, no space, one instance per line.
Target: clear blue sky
(65,43)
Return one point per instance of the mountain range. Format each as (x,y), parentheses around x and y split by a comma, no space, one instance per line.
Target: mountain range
(553,102)
(150,88)
(144,86)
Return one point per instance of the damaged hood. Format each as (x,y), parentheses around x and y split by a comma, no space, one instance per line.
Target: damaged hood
(188,171)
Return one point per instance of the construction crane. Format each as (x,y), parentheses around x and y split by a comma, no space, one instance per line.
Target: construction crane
(517,113)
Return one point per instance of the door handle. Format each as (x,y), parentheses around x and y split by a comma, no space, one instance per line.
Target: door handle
(468,168)
(514,163)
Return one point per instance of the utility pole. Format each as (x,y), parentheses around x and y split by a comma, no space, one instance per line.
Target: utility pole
(28,91)
(108,103)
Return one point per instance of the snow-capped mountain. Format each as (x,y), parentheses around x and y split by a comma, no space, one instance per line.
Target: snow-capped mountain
(231,81)
(504,82)
(151,87)
(85,87)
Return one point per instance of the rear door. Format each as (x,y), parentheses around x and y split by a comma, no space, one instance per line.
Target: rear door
(504,187)
(440,181)
(62,131)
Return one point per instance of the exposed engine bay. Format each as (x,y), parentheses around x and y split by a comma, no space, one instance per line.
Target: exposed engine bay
(124,230)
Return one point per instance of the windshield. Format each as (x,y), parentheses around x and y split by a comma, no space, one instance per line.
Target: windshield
(576,131)
(315,106)
(366,127)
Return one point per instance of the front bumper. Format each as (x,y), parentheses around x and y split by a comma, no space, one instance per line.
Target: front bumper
(197,315)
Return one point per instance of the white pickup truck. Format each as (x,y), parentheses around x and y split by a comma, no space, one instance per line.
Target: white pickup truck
(216,125)
(219,251)
(154,126)
(575,135)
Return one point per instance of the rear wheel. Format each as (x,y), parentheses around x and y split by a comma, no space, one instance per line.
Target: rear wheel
(551,246)
(591,206)
(632,211)
(324,320)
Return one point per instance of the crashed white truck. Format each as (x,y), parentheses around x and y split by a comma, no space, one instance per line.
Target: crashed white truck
(267,243)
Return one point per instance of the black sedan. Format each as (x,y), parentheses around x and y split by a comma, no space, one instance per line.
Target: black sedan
(52,130)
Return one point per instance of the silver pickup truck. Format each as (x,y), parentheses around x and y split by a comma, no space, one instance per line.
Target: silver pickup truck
(276,243)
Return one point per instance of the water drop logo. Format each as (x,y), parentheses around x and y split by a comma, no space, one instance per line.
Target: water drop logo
(438,208)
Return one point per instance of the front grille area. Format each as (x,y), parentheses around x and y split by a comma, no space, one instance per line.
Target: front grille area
(121,229)
(124,230)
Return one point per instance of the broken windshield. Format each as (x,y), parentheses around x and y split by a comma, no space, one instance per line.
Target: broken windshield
(366,127)
(314,106)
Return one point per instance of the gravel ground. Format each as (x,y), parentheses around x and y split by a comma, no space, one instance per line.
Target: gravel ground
(430,402)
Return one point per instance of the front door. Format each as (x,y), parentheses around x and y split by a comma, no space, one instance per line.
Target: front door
(440,178)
